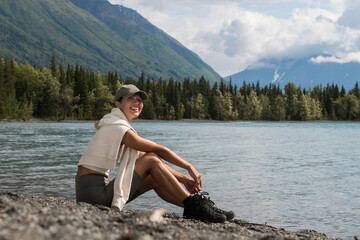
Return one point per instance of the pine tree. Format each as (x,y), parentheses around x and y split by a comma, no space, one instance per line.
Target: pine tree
(103,99)
(2,89)
(257,88)
(11,103)
(342,92)
(48,95)
(355,91)
(222,87)
(179,107)
(266,107)
(147,85)
(70,76)
(291,101)
(253,107)
(213,103)
(148,111)
(113,82)
(62,76)
(304,108)
(141,81)
(278,109)
(231,88)
(54,70)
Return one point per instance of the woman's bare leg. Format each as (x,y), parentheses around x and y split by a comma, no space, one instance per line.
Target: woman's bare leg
(166,185)
(148,183)
(157,176)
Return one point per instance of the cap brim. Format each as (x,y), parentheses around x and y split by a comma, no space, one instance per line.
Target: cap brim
(143,95)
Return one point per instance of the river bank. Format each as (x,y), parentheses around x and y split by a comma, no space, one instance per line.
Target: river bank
(34,217)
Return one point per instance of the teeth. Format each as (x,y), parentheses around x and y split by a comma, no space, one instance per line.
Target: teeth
(134,108)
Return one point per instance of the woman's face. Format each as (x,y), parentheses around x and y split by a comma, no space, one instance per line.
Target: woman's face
(131,106)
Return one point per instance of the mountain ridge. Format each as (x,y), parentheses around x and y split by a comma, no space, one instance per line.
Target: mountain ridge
(35,29)
(302,72)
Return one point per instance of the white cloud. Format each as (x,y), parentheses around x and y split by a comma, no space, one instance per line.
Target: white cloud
(351,57)
(233,35)
(250,37)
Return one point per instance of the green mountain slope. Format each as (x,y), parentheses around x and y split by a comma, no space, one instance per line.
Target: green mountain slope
(31,30)
(133,27)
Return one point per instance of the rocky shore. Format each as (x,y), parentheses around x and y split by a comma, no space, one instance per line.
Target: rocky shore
(34,217)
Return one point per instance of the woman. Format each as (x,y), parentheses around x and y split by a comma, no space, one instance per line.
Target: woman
(140,168)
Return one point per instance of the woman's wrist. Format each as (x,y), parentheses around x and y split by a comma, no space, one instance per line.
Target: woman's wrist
(183,178)
(188,167)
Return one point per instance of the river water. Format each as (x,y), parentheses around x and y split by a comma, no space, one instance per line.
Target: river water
(290,175)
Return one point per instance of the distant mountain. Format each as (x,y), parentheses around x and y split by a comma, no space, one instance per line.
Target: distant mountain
(302,72)
(97,35)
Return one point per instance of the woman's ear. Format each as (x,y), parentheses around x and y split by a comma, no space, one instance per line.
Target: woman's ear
(117,104)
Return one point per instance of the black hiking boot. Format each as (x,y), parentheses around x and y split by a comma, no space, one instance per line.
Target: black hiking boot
(196,206)
(229,214)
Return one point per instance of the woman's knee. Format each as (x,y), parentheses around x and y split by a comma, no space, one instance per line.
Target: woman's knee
(152,154)
(147,162)
(153,158)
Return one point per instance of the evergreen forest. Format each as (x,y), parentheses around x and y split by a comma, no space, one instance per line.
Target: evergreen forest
(75,93)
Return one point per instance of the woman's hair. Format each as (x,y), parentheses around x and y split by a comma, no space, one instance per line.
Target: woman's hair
(119,100)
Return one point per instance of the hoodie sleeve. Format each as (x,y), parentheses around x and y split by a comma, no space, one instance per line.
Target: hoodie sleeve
(124,175)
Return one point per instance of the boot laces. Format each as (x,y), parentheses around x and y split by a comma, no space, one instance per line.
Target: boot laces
(212,205)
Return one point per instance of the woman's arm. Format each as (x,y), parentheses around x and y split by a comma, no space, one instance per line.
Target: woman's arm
(132,140)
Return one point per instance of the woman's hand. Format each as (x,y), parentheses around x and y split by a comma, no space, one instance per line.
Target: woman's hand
(197,183)
(191,186)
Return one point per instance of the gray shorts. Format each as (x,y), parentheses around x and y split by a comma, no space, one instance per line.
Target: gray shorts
(96,189)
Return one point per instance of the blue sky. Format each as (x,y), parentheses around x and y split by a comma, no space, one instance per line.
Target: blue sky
(234,35)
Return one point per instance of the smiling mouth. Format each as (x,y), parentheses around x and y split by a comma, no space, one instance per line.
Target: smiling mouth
(134,109)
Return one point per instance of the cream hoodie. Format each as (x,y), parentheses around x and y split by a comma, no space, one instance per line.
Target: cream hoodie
(105,149)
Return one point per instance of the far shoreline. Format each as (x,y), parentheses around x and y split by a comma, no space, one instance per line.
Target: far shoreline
(39,120)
